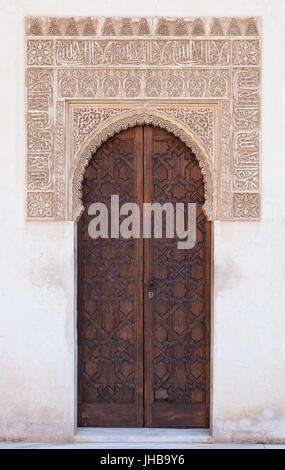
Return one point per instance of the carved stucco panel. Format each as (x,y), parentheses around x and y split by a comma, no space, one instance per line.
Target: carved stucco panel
(132,83)
(205,71)
(178,120)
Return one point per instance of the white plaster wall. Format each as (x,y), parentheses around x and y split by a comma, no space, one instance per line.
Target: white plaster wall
(37,329)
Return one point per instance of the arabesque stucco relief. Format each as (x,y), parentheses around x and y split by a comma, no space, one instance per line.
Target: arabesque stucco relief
(88,78)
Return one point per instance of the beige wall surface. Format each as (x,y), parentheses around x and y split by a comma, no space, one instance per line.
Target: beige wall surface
(37,303)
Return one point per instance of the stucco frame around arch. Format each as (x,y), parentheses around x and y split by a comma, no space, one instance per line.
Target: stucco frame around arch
(132,118)
(210,63)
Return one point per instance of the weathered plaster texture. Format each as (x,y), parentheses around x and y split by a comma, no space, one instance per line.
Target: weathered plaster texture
(37,336)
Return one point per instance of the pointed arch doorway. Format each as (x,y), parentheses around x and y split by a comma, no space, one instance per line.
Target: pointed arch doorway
(143,304)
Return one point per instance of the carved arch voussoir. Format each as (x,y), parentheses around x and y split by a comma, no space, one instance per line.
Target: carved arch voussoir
(131,119)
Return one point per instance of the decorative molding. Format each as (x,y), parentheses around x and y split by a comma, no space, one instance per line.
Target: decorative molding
(246,206)
(87,119)
(199,119)
(137,26)
(143,52)
(197,77)
(226,204)
(40,52)
(60,208)
(40,205)
(132,83)
(177,120)
(40,130)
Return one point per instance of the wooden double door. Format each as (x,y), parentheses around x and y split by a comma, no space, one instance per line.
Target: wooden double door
(143,304)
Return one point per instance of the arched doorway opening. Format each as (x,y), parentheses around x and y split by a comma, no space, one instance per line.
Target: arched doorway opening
(143,304)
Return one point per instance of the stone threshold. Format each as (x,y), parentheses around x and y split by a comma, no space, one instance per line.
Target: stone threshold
(142,435)
(108,446)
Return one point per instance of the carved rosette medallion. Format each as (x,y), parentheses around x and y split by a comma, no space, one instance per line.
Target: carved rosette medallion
(199,78)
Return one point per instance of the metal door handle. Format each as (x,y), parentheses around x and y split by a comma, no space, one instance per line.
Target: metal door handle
(150,288)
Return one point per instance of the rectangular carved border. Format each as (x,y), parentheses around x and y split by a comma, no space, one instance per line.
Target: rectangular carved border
(83,118)
(180,61)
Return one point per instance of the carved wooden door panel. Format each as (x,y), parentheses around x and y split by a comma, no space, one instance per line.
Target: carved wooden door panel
(110,304)
(177,317)
(143,360)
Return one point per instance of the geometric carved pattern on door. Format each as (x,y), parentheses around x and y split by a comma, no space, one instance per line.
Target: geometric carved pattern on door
(109,302)
(143,362)
(177,318)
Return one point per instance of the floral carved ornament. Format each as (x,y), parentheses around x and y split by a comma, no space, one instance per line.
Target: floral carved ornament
(88,78)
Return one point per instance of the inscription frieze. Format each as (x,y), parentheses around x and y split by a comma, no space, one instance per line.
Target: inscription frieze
(142,52)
